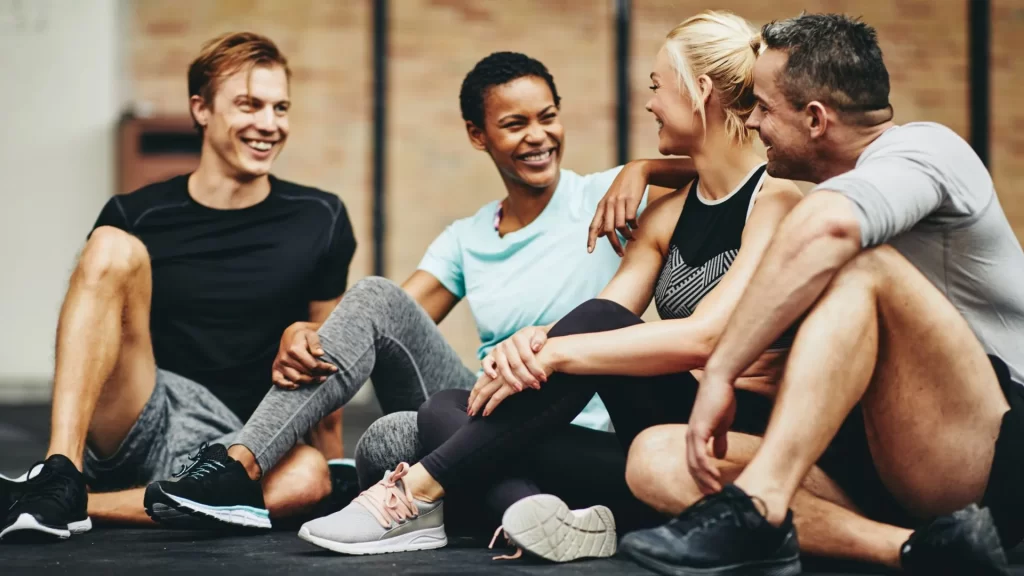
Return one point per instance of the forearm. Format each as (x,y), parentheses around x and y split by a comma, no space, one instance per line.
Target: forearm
(671,173)
(643,350)
(125,507)
(795,270)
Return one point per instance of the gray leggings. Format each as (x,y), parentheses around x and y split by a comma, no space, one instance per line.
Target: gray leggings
(377,332)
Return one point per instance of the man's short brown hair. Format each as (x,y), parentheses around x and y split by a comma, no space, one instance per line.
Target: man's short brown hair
(227,54)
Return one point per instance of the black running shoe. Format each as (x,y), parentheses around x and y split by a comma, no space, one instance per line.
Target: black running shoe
(214,487)
(965,542)
(722,534)
(51,505)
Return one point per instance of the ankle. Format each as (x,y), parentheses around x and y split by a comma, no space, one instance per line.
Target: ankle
(422,485)
(247,459)
(74,456)
(772,503)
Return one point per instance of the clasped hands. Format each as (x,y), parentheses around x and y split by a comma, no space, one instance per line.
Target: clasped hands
(520,362)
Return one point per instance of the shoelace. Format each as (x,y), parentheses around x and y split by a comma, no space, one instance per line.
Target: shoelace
(519,551)
(199,467)
(386,501)
(690,519)
(43,487)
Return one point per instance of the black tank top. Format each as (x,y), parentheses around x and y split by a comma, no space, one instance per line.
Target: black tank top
(703,246)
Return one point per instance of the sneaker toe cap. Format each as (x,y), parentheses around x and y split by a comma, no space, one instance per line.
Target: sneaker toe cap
(351,524)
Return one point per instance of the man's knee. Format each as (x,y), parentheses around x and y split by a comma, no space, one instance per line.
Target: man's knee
(112,254)
(596,315)
(650,454)
(390,440)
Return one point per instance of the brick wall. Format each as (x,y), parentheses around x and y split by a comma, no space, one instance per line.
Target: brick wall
(328,47)
(1007,158)
(434,176)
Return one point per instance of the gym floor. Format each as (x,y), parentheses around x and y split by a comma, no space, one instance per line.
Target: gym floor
(153,552)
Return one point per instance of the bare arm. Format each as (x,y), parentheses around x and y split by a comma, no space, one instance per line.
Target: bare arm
(429,293)
(634,282)
(617,211)
(680,345)
(820,236)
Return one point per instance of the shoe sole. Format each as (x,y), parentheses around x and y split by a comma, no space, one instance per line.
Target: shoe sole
(544,526)
(27,529)
(426,539)
(784,567)
(244,516)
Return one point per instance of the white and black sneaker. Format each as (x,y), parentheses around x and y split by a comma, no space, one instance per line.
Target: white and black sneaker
(214,487)
(49,504)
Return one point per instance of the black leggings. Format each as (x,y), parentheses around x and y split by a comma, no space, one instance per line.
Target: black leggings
(479,451)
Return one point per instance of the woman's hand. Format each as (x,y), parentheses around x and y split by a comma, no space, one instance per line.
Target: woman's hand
(515,359)
(489,392)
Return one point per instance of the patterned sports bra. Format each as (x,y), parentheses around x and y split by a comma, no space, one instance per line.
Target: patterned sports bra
(703,246)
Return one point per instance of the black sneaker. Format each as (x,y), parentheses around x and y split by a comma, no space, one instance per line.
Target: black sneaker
(214,487)
(722,534)
(965,542)
(50,505)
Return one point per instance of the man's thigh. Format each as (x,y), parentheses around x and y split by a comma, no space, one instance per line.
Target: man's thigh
(933,409)
(179,417)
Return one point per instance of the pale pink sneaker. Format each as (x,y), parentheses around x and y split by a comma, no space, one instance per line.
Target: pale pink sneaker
(385,518)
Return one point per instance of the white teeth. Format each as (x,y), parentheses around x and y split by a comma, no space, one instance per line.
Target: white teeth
(259,145)
(537,157)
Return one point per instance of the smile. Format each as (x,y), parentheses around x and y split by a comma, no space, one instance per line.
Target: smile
(541,156)
(259,145)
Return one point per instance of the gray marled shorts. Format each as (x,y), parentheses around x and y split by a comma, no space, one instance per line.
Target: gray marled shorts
(177,419)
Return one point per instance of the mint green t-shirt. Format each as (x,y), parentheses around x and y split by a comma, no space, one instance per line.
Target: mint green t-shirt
(533,276)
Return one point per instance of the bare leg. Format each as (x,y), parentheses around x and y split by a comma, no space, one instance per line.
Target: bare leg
(883,335)
(827,521)
(105,370)
(327,436)
(124,507)
(294,486)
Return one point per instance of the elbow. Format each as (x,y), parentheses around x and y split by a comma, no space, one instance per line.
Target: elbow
(824,224)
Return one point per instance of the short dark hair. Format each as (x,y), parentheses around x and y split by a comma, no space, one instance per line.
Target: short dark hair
(833,58)
(494,70)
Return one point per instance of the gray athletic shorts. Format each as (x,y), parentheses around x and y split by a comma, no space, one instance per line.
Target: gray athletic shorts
(177,419)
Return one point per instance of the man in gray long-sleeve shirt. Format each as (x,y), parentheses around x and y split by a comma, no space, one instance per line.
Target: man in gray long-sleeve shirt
(908,282)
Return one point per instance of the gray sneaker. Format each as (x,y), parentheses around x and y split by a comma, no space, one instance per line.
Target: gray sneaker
(544,526)
(385,518)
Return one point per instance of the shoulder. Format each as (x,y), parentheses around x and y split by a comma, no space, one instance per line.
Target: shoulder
(158,194)
(660,218)
(480,222)
(778,190)
(314,198)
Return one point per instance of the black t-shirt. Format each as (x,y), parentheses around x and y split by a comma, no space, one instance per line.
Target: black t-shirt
(226,283)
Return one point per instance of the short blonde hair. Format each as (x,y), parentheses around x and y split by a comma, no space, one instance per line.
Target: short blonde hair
(724,47)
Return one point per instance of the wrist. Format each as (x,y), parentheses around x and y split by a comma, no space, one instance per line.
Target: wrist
(556,355)
(642,167)
(717,371)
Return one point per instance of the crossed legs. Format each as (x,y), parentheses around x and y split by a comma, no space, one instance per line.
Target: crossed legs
(931,402)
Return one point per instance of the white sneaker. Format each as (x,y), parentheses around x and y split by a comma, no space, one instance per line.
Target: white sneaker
(544,526)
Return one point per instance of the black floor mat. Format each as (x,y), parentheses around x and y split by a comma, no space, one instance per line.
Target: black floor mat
(155,552)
